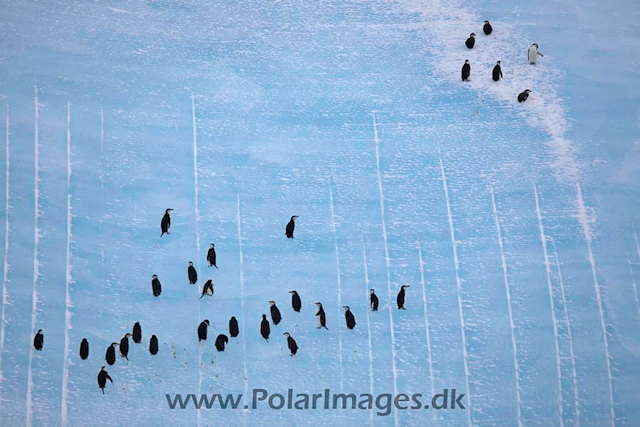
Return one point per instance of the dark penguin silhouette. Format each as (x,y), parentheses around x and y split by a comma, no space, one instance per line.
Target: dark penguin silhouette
(192,273)
(373,300)
(221,341)
(137,333)
(321,317)
(211,256)
(400,298)
(153,345)
(349,317)
(466,71)
(103,376)
(156,287)
(38,340)
(296,303)
(487,28)
(291,226)
(165,224)
(207,289)
(265,329)
(124,346)
(110,356)
(275,313)
(471,41)
(84,349)
(202,330)
(233,327)
(523,95)
(497,72)
(292,344)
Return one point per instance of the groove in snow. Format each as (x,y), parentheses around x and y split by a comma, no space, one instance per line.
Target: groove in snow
(244,340)
(339,281)
(5,268)
(370,346)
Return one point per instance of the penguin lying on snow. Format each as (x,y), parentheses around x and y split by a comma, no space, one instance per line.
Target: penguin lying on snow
(221,341)
(523,95)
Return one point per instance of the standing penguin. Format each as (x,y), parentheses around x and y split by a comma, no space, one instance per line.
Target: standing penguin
(373,300)
(84,349)
(202,330)
(321,317)
(291,226)
(466,71)
(275,313)
(292,344)
(471,41)
(38,340)
(110,356)
(221,341)
(211,256)
(265,329)
(233,327)
(207,289)
(400,298)
(156,287)
(487,28)
(103,376)
(192,273)
(165,224)
(497,72)
(296,303)
(349,317)
(532,53)
(523,95)
(124,346)
(137,333)
(153,345)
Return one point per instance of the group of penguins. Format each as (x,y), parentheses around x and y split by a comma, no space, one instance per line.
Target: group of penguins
(496,74)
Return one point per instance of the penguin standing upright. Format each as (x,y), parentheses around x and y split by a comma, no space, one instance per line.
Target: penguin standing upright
(533,52)
(373,300)
(124,346)
(497,72)
(38,340)
(103,376)
(165,224)
(153,345)
(207,289)
(84,349)
(291,226)
(156,287)
(192,273)
(202,330)
(211,256)
(292,344)
(137,333)
(487,28)
(221,341)
(233,327)
(523,95)
(321,317)
(471,41)
(275,313)
(400,298)
(110,356)
(349,317)
(296,303)
(466,71)
(265,329)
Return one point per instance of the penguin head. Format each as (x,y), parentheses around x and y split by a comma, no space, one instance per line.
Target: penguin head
(39,330)
(535,45)
(286,334)
(128,335)
(527,90)
(84,340)
(293,218)
(405,286)
(486,22)
(498,63)
(114,344)
(155,276)
(168,210)
(190,264)
(206,321)
(212,245)
(264,317)
(346,307)
(319,304)
(372,292)
(466,61)
(293,292)
(102,369)
(472,35)
(272,303)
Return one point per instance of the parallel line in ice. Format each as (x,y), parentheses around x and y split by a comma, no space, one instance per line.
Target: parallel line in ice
(339,283)
(634,287)
(369,343)
(244,332)
(426,322)
(5,268)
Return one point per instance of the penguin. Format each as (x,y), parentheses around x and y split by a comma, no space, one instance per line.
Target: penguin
(233,327)
(165,224)
(124,346)
(192,273)
(103,376)
(265,329)
(221,341)
(349,317)
(373,300)
(211,256)
(466,71)
(523,95)
(153,345)
(292,344)
(38,340)
(296,303)
(497,72)
(400,298)
(487,28)
(84,349)
(156,287)
(207,289)
(202,330)
(110,356)
(290,227)
(275,313)
(471,41)
(321,317)
(137,333)
(532,53)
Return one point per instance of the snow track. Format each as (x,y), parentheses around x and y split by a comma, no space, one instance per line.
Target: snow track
(7,229)
(339,283)
(369,344)
(245,373)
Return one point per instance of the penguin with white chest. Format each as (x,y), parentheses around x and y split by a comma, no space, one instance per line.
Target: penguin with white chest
(471,41)
(523,96)
(533,53)
(292,344)
(207,289)
(165,224)
(321,317)
(487,28)
(401,297)
(373,300)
